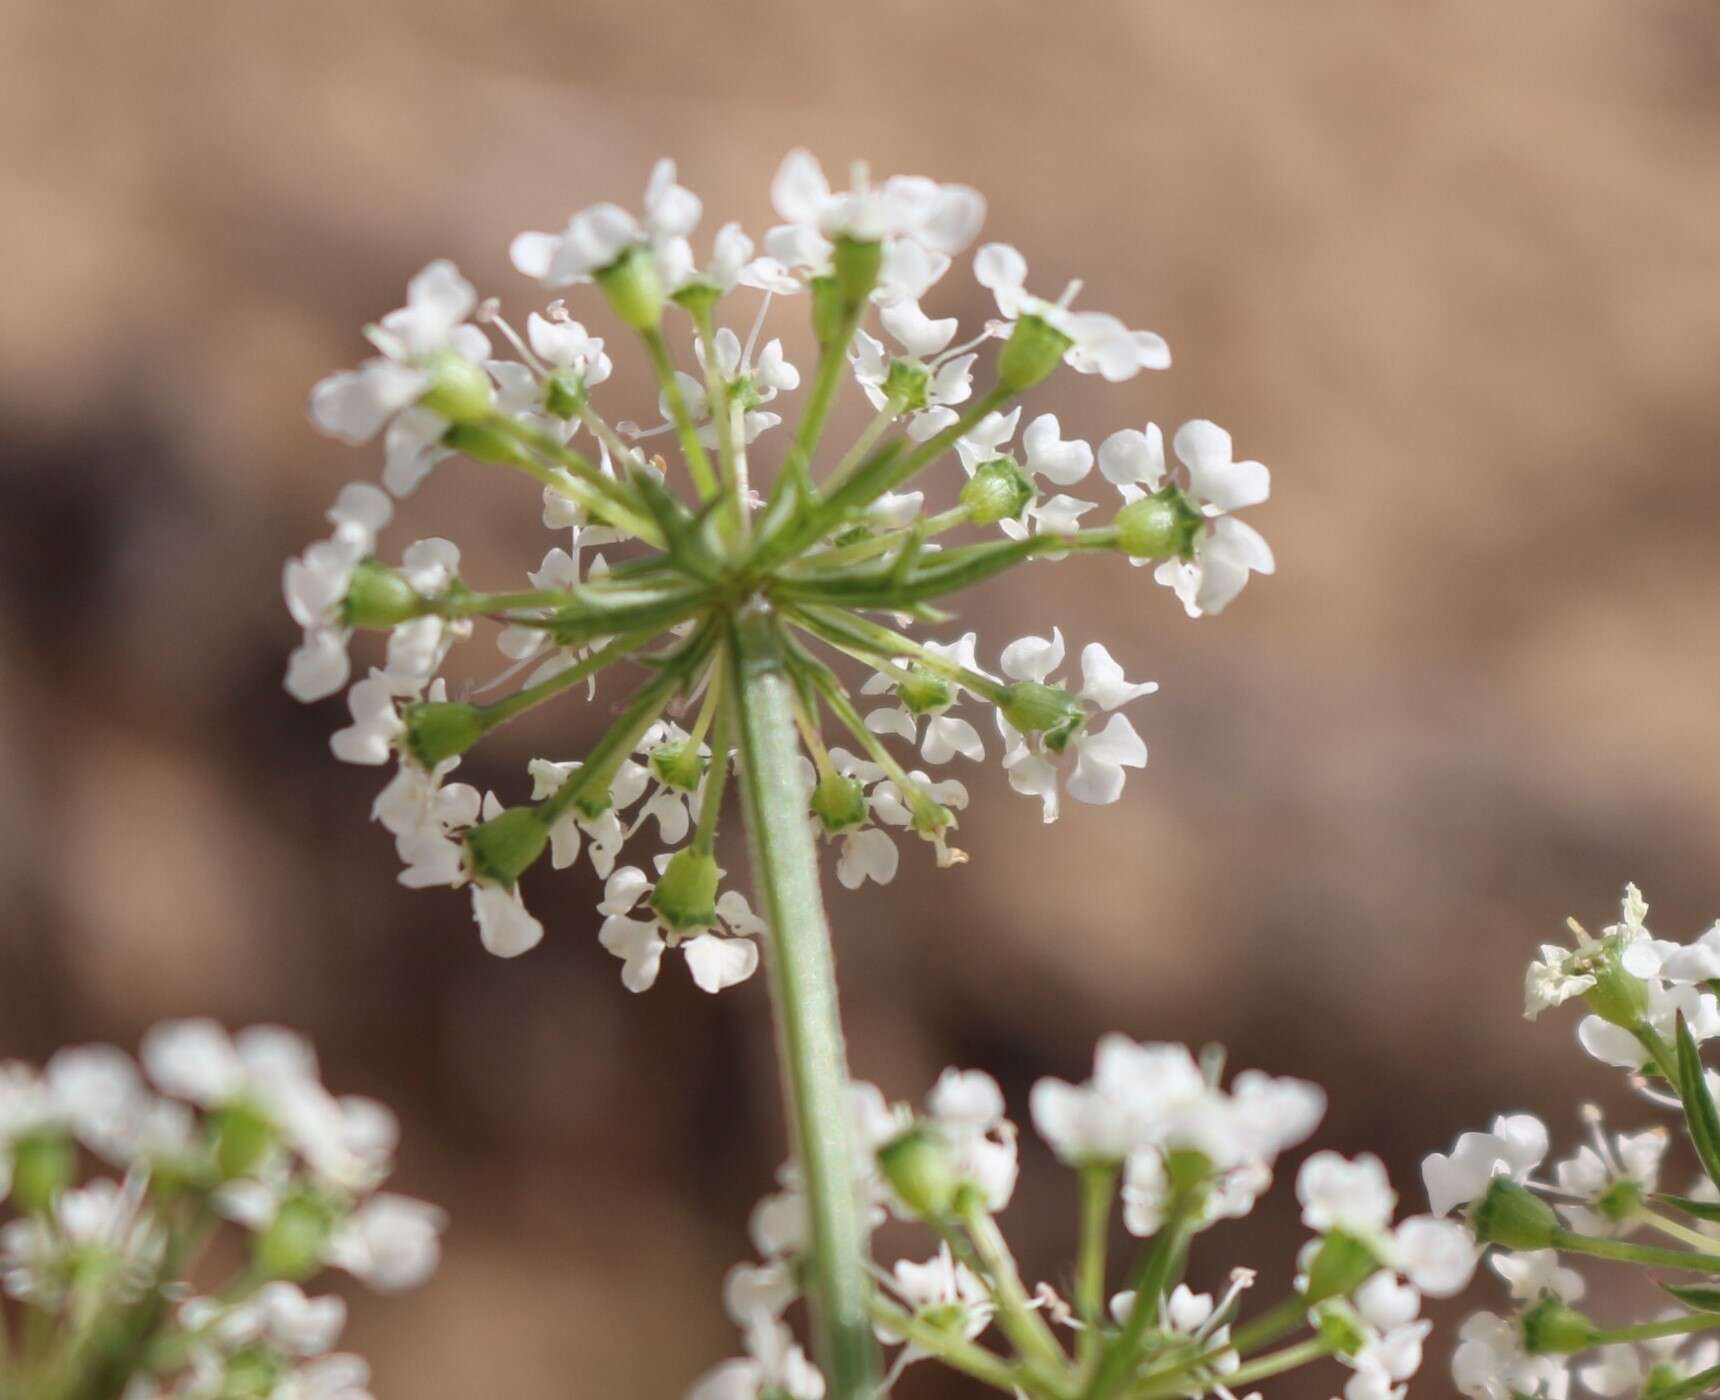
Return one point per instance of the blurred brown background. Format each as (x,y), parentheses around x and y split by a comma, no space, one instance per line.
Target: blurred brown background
(1453,271)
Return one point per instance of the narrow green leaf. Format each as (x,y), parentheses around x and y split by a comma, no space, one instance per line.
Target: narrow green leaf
(1702,1210)
(1699,1384)
(1703,1297)
(1699,1110)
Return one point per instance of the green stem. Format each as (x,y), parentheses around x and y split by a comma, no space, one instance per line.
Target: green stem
(955,1353)
(1275,1322)
(716,781)
(868,439)
(826,380)
(840,628)
(1666,1327)
(803,985)
(1696,1263)
(862,550)
(1023,1323)
(730,426)
(698,463)
(1098,1185)
(1157,1266)
(603,497)
(522,700)
(1673,1230)
(1274,1363)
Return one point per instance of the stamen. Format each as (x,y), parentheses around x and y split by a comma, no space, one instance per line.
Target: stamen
(1069,294)
(752,335)
(471,690)
(512,336)
(557,311)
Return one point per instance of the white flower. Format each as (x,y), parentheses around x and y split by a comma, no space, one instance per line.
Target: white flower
(1437,1256)
(949,1295)
(946,735)
(354,404)
(101,1226)
(1631,1159)
(390,1242)
(951,375)
(315,586)
(423,812)
(1391,1350)
(1099,756)
(597,237)
(1339,1194)
(505,926)
(1530,1274)
(564,344)
(1099,343)
(1516,1145)
(1226,551)
(1491,1364)
(1614,1045)
(775,1368)
(605,832)
(967,1108)
(717,957)
(376,724)
(1561,974)
(919,222)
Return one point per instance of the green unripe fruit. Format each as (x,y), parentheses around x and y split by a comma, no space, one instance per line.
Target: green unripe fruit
(378,597)
(908,383)
(1617,996)
(855,268)
(923,693)
(1034,349)
(634,290)
(1339,1267)
(686,894)
(292,1245)
(1513,1216)
(459,390)
(1049,710)
(921,1172)
(43,1165)
(564,395)
(839,803)
(503,848)
(996,491)
(680,766)
(1551,1328)
(483,443)
(243,1136)
(698,297)
(1340,1327)
(251,1374)
(931,817)
(441,729)
(1160,526)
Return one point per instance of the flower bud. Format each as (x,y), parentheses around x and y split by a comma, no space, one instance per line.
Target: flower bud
(679,766)
(43,1165)
(1552,1328)
(503,848)
(1340,1266)
(1050,710)
(483,443)
(909,383)
(634,290)
(1034,349)
(243,1135)
(291,1246)
(996,491)
(1160,526)
(459,390)
(252,1373)
(378,597)
(839,802)
(441,729)
(686,893)
(921,1172)
(1513,1216)
(855,268)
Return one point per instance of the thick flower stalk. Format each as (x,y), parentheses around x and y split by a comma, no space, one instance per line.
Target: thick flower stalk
(744,604)
(1651,1003)
(106,1276)
(1186,1153)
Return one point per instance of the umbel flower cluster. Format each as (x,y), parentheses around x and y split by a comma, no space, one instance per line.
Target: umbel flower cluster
(109,1275)
(1186,1152)
(1651,1004)
(679,560)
